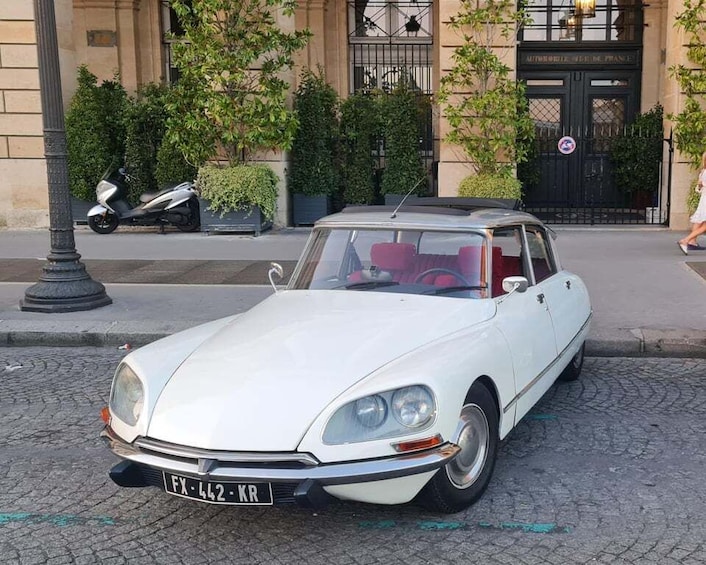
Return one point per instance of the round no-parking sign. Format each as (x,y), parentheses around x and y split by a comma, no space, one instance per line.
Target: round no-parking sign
(566,145)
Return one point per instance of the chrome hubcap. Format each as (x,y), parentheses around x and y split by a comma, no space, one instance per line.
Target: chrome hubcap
(473,436)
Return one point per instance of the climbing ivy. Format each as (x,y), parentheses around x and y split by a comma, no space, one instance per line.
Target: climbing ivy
(690,123)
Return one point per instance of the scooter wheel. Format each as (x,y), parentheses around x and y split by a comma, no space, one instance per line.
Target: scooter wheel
(194,221)
(103,224)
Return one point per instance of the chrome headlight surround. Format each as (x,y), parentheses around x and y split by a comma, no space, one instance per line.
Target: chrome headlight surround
(384,415)
(127,395)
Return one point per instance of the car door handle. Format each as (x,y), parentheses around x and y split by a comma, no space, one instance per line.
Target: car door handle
(540,298)
(568,284)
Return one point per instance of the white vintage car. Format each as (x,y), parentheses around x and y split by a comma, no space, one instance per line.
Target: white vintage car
(406,345)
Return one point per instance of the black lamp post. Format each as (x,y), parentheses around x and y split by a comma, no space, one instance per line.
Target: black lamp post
(64,285)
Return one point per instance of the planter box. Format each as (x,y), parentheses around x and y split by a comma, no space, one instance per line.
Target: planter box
(307,209)
(237,221)
(79,210)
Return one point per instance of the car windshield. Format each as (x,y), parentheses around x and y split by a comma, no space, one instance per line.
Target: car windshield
(439,263)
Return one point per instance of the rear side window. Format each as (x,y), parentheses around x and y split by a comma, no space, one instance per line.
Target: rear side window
(540,253)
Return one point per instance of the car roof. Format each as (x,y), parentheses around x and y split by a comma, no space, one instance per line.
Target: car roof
(427,218)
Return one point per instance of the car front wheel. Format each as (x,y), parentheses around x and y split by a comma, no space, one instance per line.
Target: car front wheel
(462,481)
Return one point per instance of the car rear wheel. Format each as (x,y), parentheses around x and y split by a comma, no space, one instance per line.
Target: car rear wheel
(573,369)
(462,481)
(103,223)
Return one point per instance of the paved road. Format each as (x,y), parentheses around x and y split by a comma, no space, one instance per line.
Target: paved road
(607,469)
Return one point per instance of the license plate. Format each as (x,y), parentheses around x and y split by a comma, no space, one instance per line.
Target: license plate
(251,494)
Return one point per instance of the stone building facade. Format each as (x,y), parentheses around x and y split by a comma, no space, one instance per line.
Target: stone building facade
(351,39)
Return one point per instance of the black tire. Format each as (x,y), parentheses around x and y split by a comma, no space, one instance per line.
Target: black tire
(103,224)
(573,370)
(460,483)
(194,223)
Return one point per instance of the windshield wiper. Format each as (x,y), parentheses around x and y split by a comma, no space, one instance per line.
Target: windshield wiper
(447,289)
(364,285)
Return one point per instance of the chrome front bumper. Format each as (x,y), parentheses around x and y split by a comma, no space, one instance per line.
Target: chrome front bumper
(274,467)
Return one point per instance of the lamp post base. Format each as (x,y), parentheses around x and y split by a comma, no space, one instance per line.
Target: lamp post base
(64,286)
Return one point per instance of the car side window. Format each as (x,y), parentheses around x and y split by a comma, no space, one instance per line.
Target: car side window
(506,257)
(540,253)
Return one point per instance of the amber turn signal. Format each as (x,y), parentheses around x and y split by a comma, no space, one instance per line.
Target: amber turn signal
(105,415)
(418,444)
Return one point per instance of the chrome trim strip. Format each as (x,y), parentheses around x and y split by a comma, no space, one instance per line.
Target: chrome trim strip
(325,473)
(548,367)
(174,450)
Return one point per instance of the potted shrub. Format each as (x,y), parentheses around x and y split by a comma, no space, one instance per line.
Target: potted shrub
(230,102)
(312,177)
(360,129)
(404,170)
(491,186)
(636,157)
(240,197)
(95,136)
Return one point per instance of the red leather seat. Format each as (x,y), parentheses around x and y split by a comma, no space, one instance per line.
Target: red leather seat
(396,258)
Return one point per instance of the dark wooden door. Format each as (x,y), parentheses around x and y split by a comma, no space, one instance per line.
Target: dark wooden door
(590,106)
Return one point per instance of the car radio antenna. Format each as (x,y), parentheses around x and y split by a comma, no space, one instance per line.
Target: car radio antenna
(411,190)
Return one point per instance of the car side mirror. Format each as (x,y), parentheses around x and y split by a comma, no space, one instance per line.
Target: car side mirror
(275,270)
(515,284)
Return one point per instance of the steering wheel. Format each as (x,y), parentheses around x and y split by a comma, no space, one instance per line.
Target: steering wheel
(451,272)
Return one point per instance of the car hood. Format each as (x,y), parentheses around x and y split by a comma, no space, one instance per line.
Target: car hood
(258,383)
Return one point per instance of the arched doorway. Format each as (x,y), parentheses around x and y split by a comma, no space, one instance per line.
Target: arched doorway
(582,65)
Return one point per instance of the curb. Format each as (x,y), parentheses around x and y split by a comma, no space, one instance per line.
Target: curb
(643,343)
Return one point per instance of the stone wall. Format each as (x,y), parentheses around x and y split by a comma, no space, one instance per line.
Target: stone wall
(23,184)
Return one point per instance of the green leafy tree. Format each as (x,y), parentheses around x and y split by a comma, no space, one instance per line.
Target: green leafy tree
(231,96)
(95,131)
(485,107)
(313,165)
(404,170)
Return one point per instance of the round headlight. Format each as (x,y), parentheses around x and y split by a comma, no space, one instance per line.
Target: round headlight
(371,411)
(127,396)
(413,406)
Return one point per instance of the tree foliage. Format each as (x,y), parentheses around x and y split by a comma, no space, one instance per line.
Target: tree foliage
(485,107)
(95,131)
(231,95)
(313,163)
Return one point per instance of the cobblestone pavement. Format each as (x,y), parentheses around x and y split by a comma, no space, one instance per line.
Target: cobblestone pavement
(608,469)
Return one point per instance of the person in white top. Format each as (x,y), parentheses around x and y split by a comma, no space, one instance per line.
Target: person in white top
(699,217)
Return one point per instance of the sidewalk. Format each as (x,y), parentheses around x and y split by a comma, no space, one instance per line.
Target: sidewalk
(646,297)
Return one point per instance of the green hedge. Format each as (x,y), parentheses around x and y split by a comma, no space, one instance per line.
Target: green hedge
(238,187)
(313,165)
(400,114)
(636,155)
(360,127)
(95,132)
(490,186)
